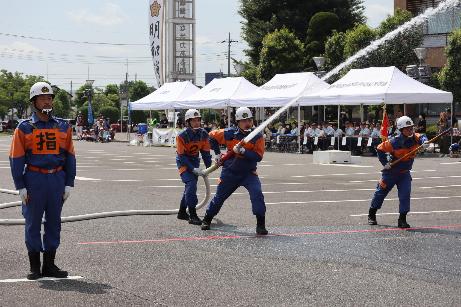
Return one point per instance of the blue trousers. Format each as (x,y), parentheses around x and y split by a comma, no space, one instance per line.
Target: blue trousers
(229,183)
(385,185)
(189,197)
(45,193)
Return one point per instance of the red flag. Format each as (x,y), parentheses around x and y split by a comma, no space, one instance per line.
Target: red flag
(384,126)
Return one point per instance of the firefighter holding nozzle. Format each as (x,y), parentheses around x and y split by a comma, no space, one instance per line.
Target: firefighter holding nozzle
(399,173)
(191,142)
(43,166)
(240,169)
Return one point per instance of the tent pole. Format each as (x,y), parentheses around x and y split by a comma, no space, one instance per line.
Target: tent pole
(452,123)
(228,117)
(299,128)
(405,109)
(339,111)
(324,113)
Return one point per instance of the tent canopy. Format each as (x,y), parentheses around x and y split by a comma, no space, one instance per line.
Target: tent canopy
(376,85)
(283,88)
(166,97)
(219,93)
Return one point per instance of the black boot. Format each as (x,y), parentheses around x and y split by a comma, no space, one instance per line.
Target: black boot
(182,214)
(49,269)
(261,225)
(372,216)
(402,222)
(34,260)
(193,218)
(206,223)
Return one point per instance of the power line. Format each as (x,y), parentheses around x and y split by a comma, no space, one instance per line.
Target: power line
(71,41)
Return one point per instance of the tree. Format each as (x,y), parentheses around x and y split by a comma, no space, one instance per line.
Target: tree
(397,51)
(321,26)
(282,53)
(334,50)
(357,39)
(261,17)
(138,89)
(110,112)
(61,104)
(450,75)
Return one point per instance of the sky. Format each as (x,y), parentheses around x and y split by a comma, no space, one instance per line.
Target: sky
(115,21)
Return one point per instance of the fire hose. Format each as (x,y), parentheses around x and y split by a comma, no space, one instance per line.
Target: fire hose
(414,151)
(92,216)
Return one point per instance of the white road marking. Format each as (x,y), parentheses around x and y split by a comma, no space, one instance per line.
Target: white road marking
(4,167)
(124,156)
(86,179)
(355,200)
(151,161)
(450,163)
(411,212)
(40,279)
(347,165)
(441,186)
(126,180)
(117,159)
(141,153)
(128,169)
(169,168)
(129,162)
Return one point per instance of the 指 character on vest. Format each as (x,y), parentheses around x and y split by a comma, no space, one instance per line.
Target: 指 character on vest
(239,170)
(43,166)
(398,174)
(189,143)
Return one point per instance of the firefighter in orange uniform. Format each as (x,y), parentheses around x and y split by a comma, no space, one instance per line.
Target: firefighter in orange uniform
(189,143)
(240,170)
(399,174)
(43,166)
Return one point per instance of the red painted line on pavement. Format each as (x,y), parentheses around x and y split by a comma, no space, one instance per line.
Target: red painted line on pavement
(296,234)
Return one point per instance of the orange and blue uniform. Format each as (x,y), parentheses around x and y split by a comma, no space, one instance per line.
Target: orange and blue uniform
(189,143)
(399,174)
(240,170)
(42,160)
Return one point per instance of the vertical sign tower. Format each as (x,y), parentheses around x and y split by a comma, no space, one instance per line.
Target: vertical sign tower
(180,40)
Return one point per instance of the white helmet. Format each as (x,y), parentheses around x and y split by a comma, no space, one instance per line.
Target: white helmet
(403,122)
(243,113)
(192,113)
(40,88)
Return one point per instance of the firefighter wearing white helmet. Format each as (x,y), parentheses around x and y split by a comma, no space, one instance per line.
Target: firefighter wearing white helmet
(398,174)
(240,169)
(42,161)
(45,91)
(191,142)
(403,122)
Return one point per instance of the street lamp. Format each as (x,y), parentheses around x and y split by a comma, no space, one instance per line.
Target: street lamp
(320,63)
(421,72)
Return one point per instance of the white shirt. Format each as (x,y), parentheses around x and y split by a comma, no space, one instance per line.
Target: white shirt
(364,132)
(329,131)
(376,133)
(339,132)
(350,131)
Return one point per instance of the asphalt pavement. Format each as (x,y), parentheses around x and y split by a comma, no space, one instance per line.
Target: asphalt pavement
(320,250)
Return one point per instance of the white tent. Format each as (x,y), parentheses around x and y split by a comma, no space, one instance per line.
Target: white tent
(219,93)
(281,89)
(166,97)
(376,85)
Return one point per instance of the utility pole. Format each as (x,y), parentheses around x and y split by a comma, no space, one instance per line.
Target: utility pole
(229,42)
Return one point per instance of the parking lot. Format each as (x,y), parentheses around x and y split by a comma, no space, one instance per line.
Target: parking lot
(320,250)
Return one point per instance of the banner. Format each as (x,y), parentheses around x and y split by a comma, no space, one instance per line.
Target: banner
(164,137)
(156,25)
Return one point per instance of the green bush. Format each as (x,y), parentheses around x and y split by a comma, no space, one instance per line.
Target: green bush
(431,131)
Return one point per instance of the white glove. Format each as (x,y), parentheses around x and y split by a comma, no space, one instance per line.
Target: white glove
(24,196)
(197,172)
(426,145)
(66,194)
(239,149)
(387,166)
